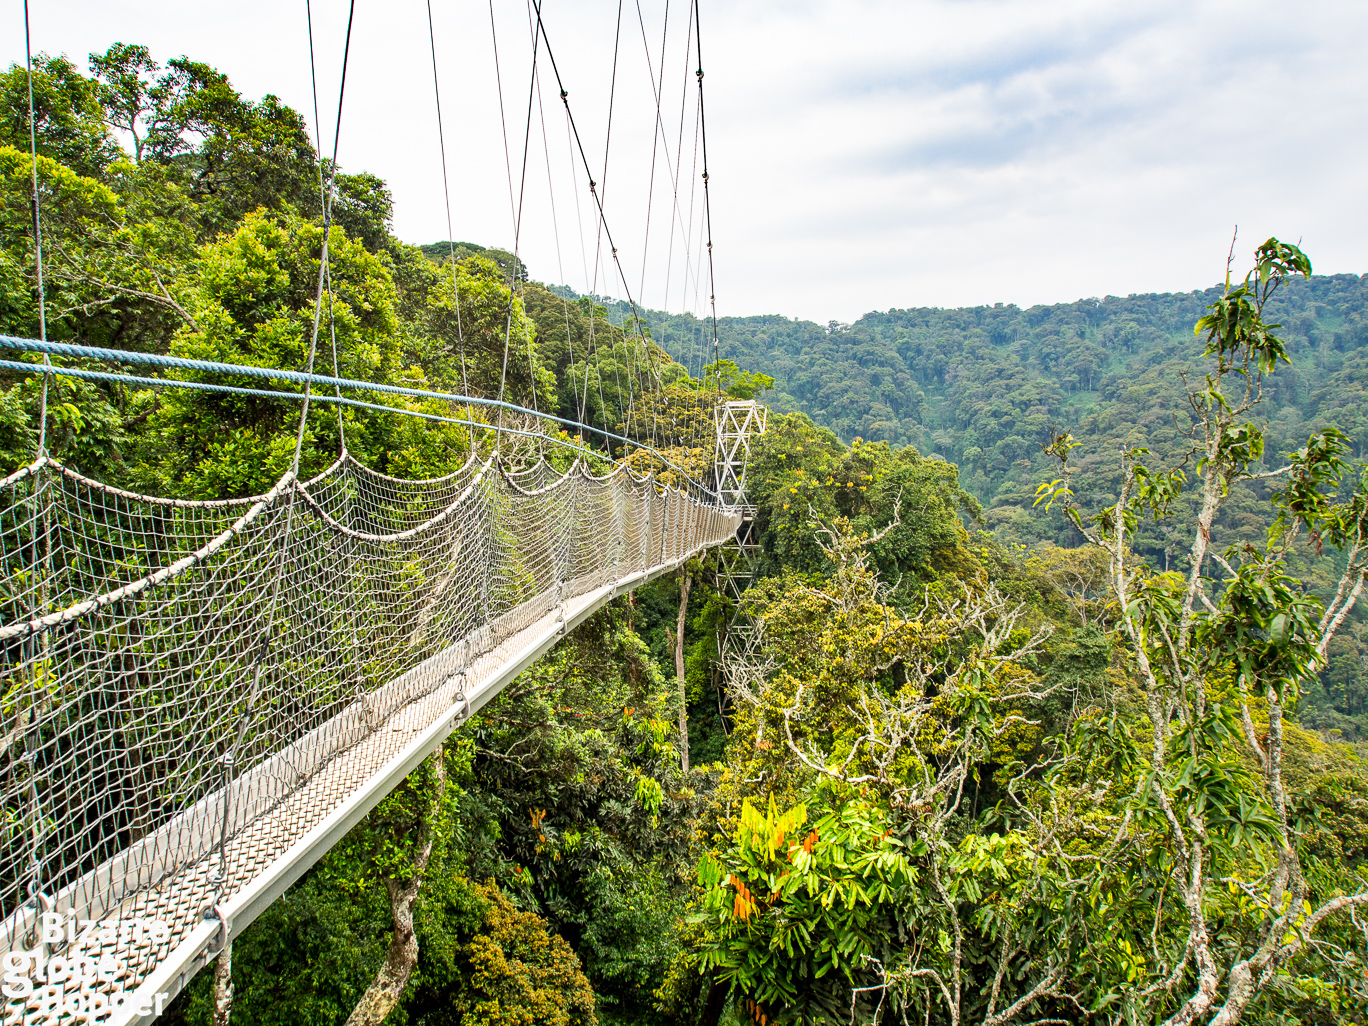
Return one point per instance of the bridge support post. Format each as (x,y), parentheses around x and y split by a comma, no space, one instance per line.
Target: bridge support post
(737,423)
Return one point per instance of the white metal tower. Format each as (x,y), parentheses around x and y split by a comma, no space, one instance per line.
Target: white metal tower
(738,422)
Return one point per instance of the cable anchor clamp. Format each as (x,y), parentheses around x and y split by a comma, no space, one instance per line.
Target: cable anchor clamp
(220,940)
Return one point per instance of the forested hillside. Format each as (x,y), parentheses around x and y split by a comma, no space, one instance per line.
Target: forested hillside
(984,387)
(959,776)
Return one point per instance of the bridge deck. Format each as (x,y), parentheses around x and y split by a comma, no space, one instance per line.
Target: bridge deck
(275,849)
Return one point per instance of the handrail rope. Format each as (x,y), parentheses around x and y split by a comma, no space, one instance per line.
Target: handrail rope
(124,493)
(214,367)
(288,482)
(356,464)
(205,386)
(26,627)
(436,519)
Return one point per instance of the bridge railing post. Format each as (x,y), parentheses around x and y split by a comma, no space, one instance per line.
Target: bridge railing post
(620,549)
(648,527)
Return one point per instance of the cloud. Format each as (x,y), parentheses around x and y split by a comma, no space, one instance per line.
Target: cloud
(863,153)
(1040,152)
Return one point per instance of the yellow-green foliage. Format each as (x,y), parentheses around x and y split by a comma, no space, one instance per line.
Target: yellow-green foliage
(518,974)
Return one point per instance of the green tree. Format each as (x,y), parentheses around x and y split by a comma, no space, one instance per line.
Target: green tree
(253,302)
(230,155)
(492,964)
(69,121)
(1161,852)
(1207,653)
(578,806)
(726,378)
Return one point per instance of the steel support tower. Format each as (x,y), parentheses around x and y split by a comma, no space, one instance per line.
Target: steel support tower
(738,422)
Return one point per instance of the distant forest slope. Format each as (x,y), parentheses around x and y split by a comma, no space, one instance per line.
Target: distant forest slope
(982,386)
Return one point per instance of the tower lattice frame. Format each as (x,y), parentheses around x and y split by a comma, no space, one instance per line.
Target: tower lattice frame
(738,422)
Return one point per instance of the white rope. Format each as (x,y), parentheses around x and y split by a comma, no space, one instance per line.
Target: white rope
(154,662)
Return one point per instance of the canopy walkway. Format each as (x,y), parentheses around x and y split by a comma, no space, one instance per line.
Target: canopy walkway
(201,697)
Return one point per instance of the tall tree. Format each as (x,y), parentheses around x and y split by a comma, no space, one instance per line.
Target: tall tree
(685,586)
(69,121)
(402,834)
(231,155)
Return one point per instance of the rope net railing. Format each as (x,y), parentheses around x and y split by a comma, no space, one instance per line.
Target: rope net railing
(174,670)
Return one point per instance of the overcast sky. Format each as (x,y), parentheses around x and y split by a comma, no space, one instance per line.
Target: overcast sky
(863,155)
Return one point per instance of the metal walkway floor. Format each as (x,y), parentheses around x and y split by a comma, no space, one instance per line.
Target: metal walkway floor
(277,847)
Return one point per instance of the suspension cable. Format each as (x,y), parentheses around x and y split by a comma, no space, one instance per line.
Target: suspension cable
(669,248)
(322,204)
(323,275)
(555,228)
(517,232)
(584,160)
(584,262)
(602,196)
(707,207)
(446,195)
(512,206)
(36,838)
(698,346)
(37,236)
(248,713)
(657,130)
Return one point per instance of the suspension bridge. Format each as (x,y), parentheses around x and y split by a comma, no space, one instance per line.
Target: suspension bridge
(201,697)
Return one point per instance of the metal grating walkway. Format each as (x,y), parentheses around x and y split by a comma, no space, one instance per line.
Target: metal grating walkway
(277,846)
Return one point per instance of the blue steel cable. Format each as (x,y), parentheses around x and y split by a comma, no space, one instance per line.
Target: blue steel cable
(269,373)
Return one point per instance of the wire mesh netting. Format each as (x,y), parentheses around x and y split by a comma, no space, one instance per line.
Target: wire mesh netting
(175,670)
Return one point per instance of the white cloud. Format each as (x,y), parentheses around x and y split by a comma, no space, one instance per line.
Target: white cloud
(863,154)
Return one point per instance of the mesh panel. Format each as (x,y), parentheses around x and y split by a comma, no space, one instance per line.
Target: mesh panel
(177,673)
